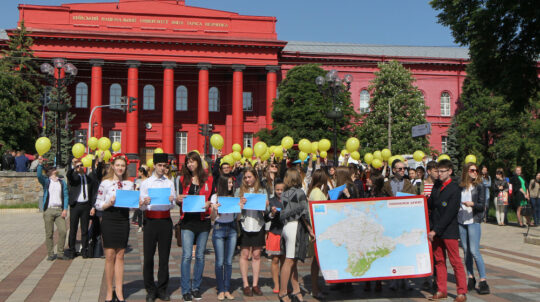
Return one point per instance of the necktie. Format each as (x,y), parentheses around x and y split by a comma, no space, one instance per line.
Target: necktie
(84,187)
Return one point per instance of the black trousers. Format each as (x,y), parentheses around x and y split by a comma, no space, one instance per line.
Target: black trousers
(157,232)
(79,212)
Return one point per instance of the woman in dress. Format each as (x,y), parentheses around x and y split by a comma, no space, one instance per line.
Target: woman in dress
(500,189)
(519,195)
(114,226)
(470,215)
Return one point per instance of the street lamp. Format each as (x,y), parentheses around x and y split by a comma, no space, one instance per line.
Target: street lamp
(390,118)
(332,90)
(59,80)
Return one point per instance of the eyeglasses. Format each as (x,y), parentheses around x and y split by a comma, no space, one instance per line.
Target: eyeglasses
(400,169)
(499,173)
(443,170)
(78,166)
(473,171)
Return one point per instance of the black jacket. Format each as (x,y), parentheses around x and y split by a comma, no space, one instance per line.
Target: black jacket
(444,206)
(276,226)
(478,196)
(75,186)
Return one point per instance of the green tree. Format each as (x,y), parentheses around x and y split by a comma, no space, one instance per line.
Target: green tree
(502,36)
(300,110)
(394,84)
(66,133)
(453,145)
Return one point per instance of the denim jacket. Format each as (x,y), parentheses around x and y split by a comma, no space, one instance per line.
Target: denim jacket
(45,182)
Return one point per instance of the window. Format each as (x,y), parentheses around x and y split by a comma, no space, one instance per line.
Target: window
(81,95)
(181,98)
(181,142)
(116,136)
(364,101)
(115,94)
(149,97)
(213,100)
(445,104)
(247,101)
(444,144)
(248,140)
(81,136)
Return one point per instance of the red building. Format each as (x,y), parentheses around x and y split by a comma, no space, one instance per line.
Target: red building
(188,66)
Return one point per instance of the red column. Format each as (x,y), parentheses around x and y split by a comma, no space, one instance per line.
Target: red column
(96,97)
(132,118)
(237,105)
(271,82)
(202,108)
(168,108)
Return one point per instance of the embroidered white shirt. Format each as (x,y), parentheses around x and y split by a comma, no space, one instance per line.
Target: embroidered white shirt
(107,189)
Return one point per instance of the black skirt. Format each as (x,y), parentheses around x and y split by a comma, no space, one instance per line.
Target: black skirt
(252,239)
(115,228)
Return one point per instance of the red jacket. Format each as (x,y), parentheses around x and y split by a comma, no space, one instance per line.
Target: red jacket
(206,190)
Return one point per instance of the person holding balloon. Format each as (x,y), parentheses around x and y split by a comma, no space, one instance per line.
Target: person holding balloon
(114,226)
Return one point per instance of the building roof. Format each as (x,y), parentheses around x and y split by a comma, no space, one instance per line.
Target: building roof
(377,50)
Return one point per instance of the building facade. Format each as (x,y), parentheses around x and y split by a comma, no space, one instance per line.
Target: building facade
(188,66)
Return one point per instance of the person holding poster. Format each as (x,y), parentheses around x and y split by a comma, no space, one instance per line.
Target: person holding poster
(195,225)
(273,238)
(157,227)
(252,233)
(444,203)
(114,226)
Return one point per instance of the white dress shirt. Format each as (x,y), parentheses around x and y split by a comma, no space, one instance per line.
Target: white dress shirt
(55,193)
(107,189)
(155,182)
(84,189)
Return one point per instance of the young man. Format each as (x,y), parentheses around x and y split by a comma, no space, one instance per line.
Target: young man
(444,204)
(398,183)
(21,162)
(54,204)
(157,231)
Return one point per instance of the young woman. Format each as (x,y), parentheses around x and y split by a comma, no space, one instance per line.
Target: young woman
(486,181)
(470,215)
(223,237)
(296,232)
(195,226)
(519,195)
(500,189)
(318,190)
(345,177)
(273,240)
(252,233)
(534,195)
(114,226)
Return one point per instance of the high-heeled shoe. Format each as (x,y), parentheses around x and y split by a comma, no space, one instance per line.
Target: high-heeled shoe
(281,297)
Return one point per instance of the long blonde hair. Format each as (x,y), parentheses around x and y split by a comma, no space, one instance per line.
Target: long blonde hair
(466,180)
(110,173)
(256,186)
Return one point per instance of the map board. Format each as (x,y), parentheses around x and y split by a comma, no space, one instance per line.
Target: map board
(372,239)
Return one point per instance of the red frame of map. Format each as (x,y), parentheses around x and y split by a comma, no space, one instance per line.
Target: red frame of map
(372,199)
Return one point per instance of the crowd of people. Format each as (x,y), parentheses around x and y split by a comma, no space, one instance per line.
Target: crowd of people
(19,161)
(283,231)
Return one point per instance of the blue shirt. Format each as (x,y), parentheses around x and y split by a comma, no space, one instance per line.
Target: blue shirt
(21,163)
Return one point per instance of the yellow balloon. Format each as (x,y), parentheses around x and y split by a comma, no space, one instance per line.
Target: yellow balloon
(352,144)
(401,157)
(196,151)
(324,144)
(266,155)
(391,159)
(376,163)
(271,149)
(323,154)
(78,150)
(98,152)
(116,146)
(217,141)
(87,161)
(93,143)
(248,152)
(385,153)
(443,156)
(236,147)
(104,143)
(278,152)
(304,145)
(355,155)
(107,155)
(314,147)
(368,158)
(418,155)
(158,150)
(228,159)
(377,154)
(302,155)
(43,145)
(287,142)
(470,159)
(260,149)
(343,152)
(150,163)
(236,156)
(243,160)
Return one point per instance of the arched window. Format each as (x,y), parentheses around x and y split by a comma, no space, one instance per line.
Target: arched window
(181,98)
(81,95)
(364,101)
(445,104)
(149,97)
(213,99)
(115,93)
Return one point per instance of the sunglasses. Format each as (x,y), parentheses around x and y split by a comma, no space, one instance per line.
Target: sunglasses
(473,171)
(78,166)
(400,169)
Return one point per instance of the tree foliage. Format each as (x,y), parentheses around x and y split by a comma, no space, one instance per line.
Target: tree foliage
(502,36)
(300,110)
(66,133)
(393,83)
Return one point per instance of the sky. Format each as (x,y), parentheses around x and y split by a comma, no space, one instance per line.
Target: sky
(386,22)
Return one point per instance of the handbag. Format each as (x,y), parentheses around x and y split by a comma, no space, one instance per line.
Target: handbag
(178,233)
(526,210)
(502,198)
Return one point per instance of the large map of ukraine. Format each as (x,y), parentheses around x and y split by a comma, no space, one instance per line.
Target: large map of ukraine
(384,238)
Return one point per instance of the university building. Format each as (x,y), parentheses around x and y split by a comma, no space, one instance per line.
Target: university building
(188,66)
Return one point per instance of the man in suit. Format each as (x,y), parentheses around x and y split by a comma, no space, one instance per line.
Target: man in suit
(82,196)
(398,182)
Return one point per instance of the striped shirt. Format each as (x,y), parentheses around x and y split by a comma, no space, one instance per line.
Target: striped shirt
(427,189)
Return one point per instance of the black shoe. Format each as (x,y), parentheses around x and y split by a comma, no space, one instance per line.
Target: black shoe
(483,288)
(196,294)
(187,297)
(471,284)
(62,257)
(150,297)
(164,297)
(51,258)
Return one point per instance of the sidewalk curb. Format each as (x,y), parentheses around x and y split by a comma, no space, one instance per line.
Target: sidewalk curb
(18,211)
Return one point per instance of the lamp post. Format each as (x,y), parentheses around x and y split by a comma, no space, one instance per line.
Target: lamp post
(390,118)
(60,75)
(333,89)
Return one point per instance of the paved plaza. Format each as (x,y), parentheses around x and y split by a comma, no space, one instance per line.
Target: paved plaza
(513,269)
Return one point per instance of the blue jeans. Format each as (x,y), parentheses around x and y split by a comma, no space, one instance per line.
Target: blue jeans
(470,241)
(188,239)
(535,202)
(224,240)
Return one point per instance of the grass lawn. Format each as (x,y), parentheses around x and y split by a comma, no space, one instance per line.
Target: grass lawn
(33,205)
